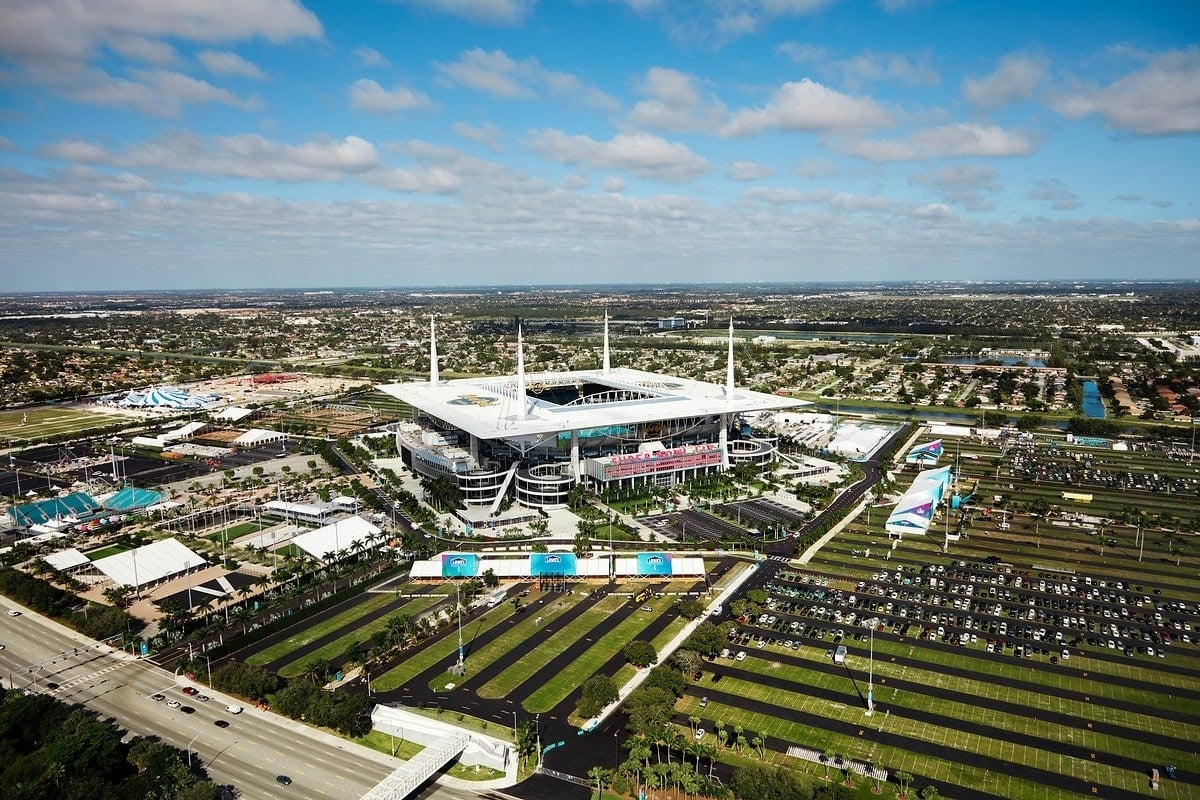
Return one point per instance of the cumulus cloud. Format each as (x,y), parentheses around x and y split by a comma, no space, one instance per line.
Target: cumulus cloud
(809,107)
(640,154)
(716,22)
(802,52)
(1016,78)
(967,185)
(367,95)
(158,92)
(370,57)
(815,168)
(67,30)
(747,171)
(492,12)
(957,140)
(675,103)
(488,135)
(613,185)
(223,62)
(243,156)
(139,48)
(870,67)
(1054,194)
(501,76)
(1161,99)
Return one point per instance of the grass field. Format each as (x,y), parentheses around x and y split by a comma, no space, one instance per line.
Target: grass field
(37,423)
(281,649)
(441,650)
(111,550)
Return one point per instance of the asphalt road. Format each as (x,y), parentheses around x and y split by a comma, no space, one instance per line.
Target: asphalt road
(249,753)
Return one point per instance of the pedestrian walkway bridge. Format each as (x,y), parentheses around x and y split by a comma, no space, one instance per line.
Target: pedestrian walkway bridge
(413,773)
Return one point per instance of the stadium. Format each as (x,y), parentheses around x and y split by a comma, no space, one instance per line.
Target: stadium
(533,437)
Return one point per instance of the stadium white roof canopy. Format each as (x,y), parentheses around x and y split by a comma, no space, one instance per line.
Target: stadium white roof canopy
(488,407)
(338,536)
(149,563)
(257,436)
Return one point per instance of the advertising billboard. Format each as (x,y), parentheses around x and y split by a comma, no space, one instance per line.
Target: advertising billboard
(552,564)
(460,565)
(654,564)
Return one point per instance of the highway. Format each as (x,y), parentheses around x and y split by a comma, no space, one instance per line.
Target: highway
(249,753)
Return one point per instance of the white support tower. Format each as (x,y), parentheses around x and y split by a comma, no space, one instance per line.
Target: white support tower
(433,358)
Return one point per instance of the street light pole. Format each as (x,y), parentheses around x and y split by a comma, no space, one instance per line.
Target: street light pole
(871,670)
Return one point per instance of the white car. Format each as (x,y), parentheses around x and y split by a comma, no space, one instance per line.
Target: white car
(174,703)
(12,612)
(234,709)
(741,656)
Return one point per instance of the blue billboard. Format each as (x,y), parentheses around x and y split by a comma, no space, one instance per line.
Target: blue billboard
(654,564)
(460,565)
(558,565)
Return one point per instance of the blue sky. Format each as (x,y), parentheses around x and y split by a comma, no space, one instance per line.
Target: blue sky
(271,143)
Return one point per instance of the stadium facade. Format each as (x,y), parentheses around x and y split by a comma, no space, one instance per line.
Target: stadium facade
(533,437)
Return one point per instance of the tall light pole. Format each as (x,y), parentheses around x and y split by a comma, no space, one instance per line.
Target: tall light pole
(458,613)
(871,668)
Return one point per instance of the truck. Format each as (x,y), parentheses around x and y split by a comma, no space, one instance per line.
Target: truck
(496,598)
(839,655)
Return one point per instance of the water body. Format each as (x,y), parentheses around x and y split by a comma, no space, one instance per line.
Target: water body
(1093,406)
(1008,361)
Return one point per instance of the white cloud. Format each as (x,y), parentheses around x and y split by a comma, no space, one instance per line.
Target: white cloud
(497,74)
(494,12)
(247,156)
(613,185)
(1055,194)
(370,57)
(367,95)
(641,154)
(1016,78)
(675,103)
(68,30)
(809,107)
(1161,99)
(158,92)
(957,140)
(870,67)
(803,52)
(487,135)
(747,171)
(815,168)
(716,22)
(223,62)
(968,185)
(139,48)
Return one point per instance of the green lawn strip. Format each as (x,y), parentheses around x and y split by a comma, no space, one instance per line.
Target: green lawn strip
(1006,666)
(514,636)
(241,529)
(466,721)
(441,650)
(310,634)
(964,710)
(111,550)
(864,749)
(404,750)
(360,634)
(396,746)
(556,690)
(522,670)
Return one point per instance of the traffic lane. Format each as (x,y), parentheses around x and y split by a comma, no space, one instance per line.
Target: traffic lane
(258,746)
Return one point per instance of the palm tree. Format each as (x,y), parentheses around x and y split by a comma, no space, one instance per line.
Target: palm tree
(721,732)
(602,777)
(827,759)
(757,742)
(904,779)
(692,723)
(738,738)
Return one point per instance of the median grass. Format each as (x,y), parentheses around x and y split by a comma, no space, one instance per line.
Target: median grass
(442,650)
(507,682)
(310,634)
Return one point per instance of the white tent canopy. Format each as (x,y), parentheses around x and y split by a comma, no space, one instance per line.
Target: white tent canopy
(66,559)
(149,563)
(339,536)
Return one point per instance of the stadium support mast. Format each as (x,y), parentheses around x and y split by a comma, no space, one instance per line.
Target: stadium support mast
(607,364)
(433,364)
(520,374)
(727,418)
(729,365)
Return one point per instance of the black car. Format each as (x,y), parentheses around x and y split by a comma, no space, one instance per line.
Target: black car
(283,780)
(221,723)
(187,710)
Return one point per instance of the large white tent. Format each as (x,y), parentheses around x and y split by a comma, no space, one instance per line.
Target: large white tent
(149,563)
(342,535)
